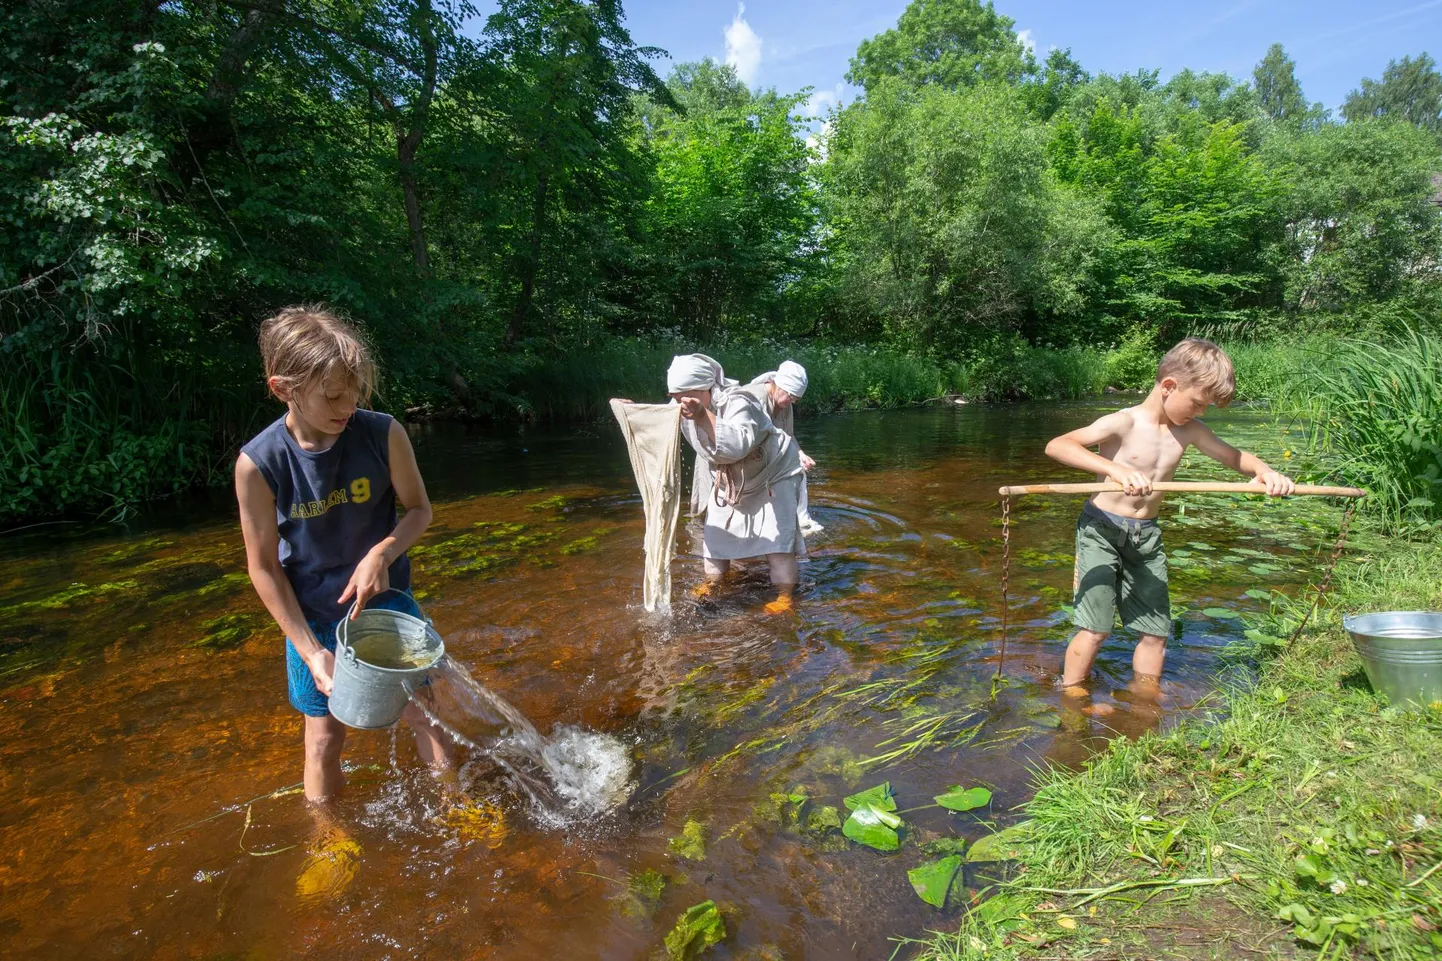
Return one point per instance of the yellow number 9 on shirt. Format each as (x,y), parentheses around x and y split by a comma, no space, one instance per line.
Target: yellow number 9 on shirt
(360,490)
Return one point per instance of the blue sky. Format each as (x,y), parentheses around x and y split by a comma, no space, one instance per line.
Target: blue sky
(791,44)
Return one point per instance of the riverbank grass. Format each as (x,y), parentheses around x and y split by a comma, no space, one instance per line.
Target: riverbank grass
(1302,819)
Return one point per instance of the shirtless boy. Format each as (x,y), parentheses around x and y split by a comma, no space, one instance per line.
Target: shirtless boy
(1119,560)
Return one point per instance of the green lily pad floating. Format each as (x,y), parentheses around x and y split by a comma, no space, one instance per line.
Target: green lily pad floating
(879,796)
(874,827)
(1257,594)
(932,881)
(957,799)
(691,844)
(695,931)
(1224,613)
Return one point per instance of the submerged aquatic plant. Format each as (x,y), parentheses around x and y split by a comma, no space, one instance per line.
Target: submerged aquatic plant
(691,842)
(699,927)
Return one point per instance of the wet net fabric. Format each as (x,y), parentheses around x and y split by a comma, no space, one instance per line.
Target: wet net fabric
(653,439)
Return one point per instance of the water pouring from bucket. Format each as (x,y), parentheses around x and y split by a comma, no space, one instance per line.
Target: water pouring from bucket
(573,775)
(387,658)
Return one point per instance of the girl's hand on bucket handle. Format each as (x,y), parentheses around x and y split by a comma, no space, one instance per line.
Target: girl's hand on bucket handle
(322,668)
(372,576)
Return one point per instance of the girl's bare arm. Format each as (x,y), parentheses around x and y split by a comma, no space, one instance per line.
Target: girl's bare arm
(262,559)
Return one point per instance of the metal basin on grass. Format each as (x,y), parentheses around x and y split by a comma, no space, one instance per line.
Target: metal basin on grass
(1402,653)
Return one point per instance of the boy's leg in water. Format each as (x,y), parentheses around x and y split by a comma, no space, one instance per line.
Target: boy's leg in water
(434,746)
(1081,654)
(1143,695)
(1148,658)
(324,741)
(784,577)
(714,570)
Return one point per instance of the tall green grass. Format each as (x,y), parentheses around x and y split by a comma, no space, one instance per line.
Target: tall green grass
(1377,404)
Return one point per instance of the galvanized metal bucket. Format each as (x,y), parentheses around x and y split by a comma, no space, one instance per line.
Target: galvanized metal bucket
(1402,653)
(368,696)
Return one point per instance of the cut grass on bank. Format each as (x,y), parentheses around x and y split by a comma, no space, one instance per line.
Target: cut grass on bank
(1303,821)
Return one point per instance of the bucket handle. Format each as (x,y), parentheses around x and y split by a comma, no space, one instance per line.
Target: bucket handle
(342,640)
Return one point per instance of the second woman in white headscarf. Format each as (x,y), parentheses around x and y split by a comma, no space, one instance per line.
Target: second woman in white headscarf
(778,390)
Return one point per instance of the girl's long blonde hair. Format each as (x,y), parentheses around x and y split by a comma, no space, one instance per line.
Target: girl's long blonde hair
(307,343)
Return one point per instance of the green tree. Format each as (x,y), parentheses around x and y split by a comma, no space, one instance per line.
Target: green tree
(1052,87)
(1193,208)
(565,74)
(1358,224)
(945,219)
(1409,90)
(732,214)
(1275,80)
(951,43)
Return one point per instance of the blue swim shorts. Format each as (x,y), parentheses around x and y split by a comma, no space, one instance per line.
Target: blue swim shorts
(305,697)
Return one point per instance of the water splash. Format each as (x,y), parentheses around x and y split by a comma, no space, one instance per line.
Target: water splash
(572,776)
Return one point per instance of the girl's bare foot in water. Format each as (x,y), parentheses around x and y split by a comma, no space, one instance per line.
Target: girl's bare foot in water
(331,862)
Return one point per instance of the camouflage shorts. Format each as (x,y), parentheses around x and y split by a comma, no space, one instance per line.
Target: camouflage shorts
(1120,568)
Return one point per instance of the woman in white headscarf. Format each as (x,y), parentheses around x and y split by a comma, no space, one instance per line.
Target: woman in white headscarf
(754,471)
(778,390)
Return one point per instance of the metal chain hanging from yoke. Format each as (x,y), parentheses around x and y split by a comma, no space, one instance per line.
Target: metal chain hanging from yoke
(1327,578)
(1005,574)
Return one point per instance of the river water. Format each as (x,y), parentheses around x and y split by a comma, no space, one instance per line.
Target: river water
(143,708)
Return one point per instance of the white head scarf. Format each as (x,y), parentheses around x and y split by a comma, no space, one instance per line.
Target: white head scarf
(790,377)
(696,372)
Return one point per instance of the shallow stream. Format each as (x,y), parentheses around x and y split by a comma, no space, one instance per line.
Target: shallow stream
(143,707)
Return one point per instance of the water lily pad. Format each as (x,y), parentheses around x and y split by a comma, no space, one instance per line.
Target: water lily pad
(1225,613)
(879,796)
(1000,846)
(691,844)
(958,799)
(932,881)
(695,931)
(873,827)
(1257,594)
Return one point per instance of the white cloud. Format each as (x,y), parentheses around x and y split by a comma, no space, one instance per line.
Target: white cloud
(821,101)
(1027,40)
(743,47)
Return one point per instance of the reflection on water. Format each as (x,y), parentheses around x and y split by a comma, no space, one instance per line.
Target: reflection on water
(145,727)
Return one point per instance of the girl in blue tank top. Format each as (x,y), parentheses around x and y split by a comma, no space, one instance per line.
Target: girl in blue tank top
(318,491)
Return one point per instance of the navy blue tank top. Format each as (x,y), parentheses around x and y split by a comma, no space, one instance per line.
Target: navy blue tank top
(332,506)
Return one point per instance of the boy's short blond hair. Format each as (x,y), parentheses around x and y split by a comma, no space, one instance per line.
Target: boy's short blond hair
(1200,363)
(305,344)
